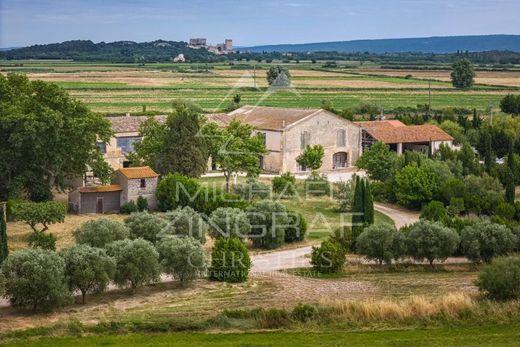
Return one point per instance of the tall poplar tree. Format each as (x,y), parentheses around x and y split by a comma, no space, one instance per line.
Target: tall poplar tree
(4,250)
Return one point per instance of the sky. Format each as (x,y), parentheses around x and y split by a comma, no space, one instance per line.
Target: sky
(250,22)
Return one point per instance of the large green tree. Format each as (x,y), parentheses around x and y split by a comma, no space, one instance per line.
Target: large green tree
(462,74)
(278,76)
(312,157)
(379,161)
(47,136)
(235,149)
(510,104)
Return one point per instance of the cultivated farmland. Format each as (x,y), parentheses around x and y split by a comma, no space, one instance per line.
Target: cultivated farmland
(128,87)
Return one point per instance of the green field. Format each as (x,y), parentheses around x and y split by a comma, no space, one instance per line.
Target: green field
(487,335)
(128,87)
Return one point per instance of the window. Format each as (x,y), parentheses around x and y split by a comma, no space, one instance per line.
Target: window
(143,183)
(341,138)
(102,147)
(339,160)
(126,143)
(305,139)
(302,168)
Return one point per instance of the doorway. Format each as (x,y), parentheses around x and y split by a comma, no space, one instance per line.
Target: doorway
(99,205)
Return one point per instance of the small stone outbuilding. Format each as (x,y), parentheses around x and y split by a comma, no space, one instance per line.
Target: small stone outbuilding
(129,184)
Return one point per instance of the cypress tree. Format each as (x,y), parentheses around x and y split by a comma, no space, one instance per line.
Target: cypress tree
(4,250)
(510,187)
(488,155)
(369,204)
(476,121)
(510,156)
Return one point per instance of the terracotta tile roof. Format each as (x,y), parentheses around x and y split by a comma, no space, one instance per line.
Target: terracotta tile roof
(138,172)
(393,131)
(271,118)
(222,119)
(130,124)
(101,189)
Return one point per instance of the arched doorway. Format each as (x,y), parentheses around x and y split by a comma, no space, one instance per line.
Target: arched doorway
(340,160)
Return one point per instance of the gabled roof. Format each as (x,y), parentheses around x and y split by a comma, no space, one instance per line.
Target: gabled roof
(101,189)
(131,124)
(138,172)
(271,118)
(393,131)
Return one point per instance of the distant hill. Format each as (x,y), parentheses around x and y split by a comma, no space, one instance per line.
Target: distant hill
(7,48)
(120,51)
(448,44)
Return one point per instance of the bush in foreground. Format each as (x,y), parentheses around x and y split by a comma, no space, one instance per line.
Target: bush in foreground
(297,227)
(87,269)
(284,185)
(431,241)
(137,262)
(329,257)
(484,241)
(185,222)
(229,222)
(43,240)
(35,278)
(145,225)
(381,243)
(182,257)
(268,221)
(500,280)
(230,261)
(100,232)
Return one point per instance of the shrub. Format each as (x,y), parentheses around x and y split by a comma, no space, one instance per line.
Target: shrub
(380,243)
(142,204)
(456,206)
(212,198)
(506,211)
(176,190)
(273,318)
(2,283)
(500,280)
(329,257)
(484,241)
(252,189)
(431,241)
(186,222)
(296,228)
(317,185)
(434,211)
(229,222)
(182,257)
(304,312)
(87,269)
(35,278)
(129,207)
(43,240)
(284,185)
(414,185)
(230,261)
(343,237)
(268,221)
(99,232)
(344,194)
(145,225)
(137,262)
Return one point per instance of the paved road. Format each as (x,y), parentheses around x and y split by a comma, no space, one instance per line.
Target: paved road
(299,257)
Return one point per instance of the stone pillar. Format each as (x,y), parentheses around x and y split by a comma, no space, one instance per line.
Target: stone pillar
(399,148)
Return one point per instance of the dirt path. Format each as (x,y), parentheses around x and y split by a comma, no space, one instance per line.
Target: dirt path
(400,216)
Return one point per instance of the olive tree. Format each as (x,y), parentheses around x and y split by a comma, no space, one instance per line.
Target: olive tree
(36,213)
(182,257)
(35,278)
(229,222)
(268,222)
(500,280)
(329,257)
(186,222)
(431,241)
(380,243)
(137,262)
(145,225)
(100,232)
(484,241)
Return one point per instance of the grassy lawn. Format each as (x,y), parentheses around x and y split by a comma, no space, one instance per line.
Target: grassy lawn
(486,335)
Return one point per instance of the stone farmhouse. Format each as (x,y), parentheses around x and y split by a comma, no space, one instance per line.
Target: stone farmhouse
(288,131)
(401,137)
(128,185)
